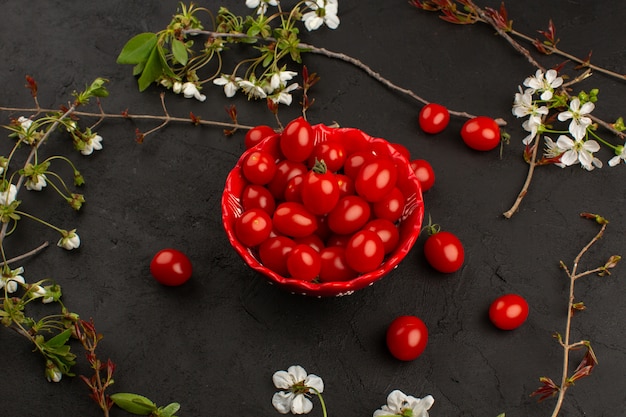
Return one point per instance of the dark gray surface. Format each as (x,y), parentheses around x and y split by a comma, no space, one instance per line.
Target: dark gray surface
(214,343)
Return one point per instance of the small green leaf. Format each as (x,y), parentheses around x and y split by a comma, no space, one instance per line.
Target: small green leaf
(138,49)
(153,69)
(134,403)
(59,340)
(179,51)
(169,410)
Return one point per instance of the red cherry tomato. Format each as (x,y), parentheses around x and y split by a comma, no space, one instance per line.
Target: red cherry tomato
(319,190)
(386,231)
(338,240)
(332,152)
(257,196)
(313,241)
(293,190)
(434,118)
(170,267)
(407,337)
(481,133)
(259,167)
(257,134)
(293,219)
(365,251)
(402,150)
(391,206)
(304,263)
(297,140)
(334,266)
(424,173)
(349,215)
(355,161)
(285,170)
(346,185)
(508,311)
(273,253)
(444,252)
(376,178)
(253,227)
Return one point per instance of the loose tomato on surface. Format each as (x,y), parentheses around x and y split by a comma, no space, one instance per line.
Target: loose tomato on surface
(297,140)
(349,215)
(293,219)
(444,252)
(253,227)
(481,133)
(407,337)
(319,190)
(259,167)
(257,134)
(376,179)
(508,311)
(171,267)
(434,118)
(304,263)
(334,266)
(365,251)
(424,173)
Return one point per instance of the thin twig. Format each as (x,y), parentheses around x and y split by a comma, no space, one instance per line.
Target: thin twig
(531,170)
(27,254)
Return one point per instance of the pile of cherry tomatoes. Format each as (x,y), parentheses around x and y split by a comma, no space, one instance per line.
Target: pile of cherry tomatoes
(321,211)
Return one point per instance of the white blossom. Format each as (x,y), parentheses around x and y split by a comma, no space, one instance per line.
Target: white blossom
(580,122)
(253,4)
(11,278)
(544,85)
(620,155)
(279,79)
(296,385)
(36,182)
(177,87)
(53,373)
(252,89)
(70,240)
(322,12)
(190,90)
(400,404)
(284,96)
(93,144)
(230,83)
(37,291)
(579,151)
(8,196)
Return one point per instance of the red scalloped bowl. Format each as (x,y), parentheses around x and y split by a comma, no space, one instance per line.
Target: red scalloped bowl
(352,139)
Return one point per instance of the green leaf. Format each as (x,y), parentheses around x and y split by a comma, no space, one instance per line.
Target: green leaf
(59,340)
(138,49)
(134,403)
(179,51)
(153,69)
(169,410)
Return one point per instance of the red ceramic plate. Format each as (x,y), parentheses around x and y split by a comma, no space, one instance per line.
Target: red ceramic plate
(353,139)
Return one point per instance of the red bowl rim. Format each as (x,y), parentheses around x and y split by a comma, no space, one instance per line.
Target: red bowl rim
(231,209)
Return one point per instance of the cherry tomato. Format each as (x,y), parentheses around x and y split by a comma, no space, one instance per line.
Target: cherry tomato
(338,240)
(346,185)
(257,134)
(355,161)
(297,140)
(304,263)
(259,167)
(407,337)
(508,311)
(424,173)
(319,190)
(313,241)
(386,231)
(293,190)
(334,266)
(391,206)
(257,196)
(253,227)
(434,118)
(376,178)
(293,219)
(400,148)
(481,133)
(444,252)
(273,253)
(285,170)
(332,152)
(365,251)
(170,267)
(349,215)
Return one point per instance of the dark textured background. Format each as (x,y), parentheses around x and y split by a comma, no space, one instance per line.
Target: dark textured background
(214,343)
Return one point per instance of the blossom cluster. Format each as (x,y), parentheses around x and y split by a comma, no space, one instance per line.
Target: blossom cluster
(296,386)
(576,145)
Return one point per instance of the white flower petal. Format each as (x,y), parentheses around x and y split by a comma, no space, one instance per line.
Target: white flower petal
(315,382)
(282,401)
(569,157)
(301,405)
(282,380)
